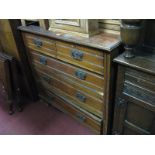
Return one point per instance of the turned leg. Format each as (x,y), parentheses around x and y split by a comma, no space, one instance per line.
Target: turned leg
(11,111)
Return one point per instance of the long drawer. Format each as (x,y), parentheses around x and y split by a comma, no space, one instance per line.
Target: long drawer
(80,79)
(90,59)
(79,98)
(79,114)
(140,85)
(40,44)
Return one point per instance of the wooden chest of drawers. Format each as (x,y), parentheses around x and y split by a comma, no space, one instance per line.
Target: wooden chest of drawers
(135,95)
(74,74)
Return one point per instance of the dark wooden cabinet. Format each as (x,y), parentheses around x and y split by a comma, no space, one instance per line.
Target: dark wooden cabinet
(75,74)
(135,95)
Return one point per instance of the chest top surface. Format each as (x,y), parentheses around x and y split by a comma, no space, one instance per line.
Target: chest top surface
(102,41)
(143,60)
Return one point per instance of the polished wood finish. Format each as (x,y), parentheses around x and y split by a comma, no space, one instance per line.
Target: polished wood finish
(89,103)
(41,44)
(62,69)
(79,114)
(104,41)
(135,94)
(91,59)
(80,73)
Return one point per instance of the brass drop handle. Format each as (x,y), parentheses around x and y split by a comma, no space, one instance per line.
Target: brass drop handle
(37,42)
(77,55)
(43,60)
(80,74)
(81,97)
(81,117)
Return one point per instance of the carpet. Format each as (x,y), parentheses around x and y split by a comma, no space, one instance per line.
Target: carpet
(39,119)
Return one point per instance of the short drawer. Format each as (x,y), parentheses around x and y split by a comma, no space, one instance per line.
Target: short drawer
(40,44)
(88,58)
(81,115)
(84,80)
(80,98)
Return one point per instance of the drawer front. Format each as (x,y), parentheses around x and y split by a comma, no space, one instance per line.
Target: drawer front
(82,116)
(84,57)
(80,98)
(81,79)
(40,44)
(140,85)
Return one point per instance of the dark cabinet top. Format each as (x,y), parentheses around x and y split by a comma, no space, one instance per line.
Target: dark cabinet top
(143,60)
(102,41)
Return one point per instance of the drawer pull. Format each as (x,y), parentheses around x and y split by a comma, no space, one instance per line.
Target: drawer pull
(80,74)
(38,42)
(43,60)
(81,117)
(81,97)
(46,78)
(77,55)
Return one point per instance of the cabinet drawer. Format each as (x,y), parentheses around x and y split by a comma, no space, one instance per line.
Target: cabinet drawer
(40,44)
(80,98)
(81,115)
(139,85)
(81,79)
(90,59)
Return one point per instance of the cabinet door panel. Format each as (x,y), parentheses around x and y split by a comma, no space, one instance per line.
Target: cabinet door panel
(132,114)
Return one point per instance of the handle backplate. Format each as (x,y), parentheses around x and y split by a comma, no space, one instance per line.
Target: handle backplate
(80,74)
(77,54)
(37,42)
(43,60)
(81,117)
(80,97)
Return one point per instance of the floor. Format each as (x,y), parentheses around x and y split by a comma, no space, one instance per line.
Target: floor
(39,119)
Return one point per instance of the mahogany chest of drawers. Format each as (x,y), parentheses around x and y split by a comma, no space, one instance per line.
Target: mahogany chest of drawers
(74,74)
(135,95)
